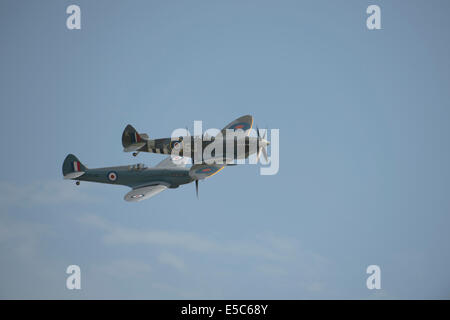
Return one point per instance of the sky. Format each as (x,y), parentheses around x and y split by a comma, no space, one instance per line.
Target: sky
(364,149)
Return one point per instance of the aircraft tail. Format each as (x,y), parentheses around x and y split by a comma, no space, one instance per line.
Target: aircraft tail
(72,167)
(132,140)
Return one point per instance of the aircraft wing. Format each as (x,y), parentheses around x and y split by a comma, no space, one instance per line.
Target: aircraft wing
(244,123)
(173,162)
(143,193)
(203,171)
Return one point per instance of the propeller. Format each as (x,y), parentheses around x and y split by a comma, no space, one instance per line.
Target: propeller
(196,188)
(262,144)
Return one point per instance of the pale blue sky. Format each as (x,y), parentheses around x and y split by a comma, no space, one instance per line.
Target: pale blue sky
(364,148)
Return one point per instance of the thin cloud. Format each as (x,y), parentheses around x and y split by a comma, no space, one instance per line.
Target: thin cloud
(266,247)
(21,237)
(42,193)
(124,268)
(172,260)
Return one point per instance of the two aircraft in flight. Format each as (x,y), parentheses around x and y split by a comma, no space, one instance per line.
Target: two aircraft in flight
(171,172)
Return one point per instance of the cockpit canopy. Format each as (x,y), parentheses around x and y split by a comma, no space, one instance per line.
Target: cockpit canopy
(138,166)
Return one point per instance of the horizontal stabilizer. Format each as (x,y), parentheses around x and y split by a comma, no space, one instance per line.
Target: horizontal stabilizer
(74,175)
(134,147)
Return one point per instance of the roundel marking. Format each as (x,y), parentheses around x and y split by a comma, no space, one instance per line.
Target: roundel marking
(206,170)
(240,126)
(112,176)
(136,196)
(176,144)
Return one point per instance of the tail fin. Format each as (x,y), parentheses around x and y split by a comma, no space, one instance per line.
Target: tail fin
(132,140)
(72,167)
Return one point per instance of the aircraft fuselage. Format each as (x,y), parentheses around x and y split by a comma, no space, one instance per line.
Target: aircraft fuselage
(132,176)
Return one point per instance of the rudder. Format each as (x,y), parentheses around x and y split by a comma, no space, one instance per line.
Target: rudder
(132,140)
(72,167)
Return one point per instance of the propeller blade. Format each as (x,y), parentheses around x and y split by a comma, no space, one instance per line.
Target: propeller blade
(265,154)
(257,131)
(258,154)
(265,133)
(196,188)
